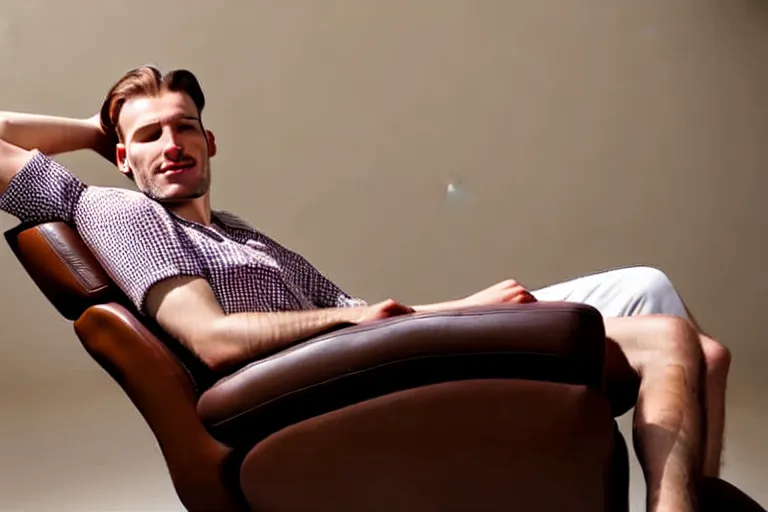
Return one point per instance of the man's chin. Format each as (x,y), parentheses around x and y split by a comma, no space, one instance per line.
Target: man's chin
(175,196)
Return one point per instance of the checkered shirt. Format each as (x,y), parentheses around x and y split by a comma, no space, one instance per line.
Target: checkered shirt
(139,243)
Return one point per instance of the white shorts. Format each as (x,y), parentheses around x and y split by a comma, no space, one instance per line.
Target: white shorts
(621,292)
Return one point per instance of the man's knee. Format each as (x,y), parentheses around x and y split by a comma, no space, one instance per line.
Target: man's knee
(650,281)
(717,357)
(653,291)
(667,339)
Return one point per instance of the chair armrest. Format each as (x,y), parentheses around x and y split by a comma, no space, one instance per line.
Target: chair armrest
(557,342)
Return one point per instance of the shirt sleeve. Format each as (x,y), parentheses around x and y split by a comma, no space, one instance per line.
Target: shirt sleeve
(42,191)
(323,292)
(136,240)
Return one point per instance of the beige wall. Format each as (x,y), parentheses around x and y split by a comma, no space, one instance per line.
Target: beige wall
(582,134)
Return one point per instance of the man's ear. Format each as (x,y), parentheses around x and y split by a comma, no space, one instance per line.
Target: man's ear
(211,143)
(122,159)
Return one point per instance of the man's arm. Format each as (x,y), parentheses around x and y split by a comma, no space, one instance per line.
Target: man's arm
(21,135)
(12,160)
(508,291)
(54,135)
(440,307)
(187,309)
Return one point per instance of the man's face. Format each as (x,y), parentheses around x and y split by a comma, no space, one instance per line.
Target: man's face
(165,147)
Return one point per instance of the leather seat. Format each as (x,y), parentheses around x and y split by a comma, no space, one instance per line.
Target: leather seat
(497,408)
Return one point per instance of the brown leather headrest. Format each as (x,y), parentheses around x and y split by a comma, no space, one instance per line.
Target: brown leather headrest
(62,267)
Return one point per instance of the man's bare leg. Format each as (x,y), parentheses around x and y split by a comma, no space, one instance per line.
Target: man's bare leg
(718,362)
(718,359)
(669,415)
(635,291)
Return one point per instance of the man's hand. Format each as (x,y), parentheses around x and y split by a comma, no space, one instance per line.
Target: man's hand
(505,292)
(102,144)
(381,310)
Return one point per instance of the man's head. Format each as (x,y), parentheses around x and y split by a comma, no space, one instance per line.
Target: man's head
(156,120)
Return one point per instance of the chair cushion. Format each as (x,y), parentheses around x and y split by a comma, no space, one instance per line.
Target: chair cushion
(556,342)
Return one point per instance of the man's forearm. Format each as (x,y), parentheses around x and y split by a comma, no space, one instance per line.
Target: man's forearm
(240,337)
(440,306)
(51,135)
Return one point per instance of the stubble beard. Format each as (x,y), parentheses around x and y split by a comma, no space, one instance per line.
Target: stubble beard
(154,191)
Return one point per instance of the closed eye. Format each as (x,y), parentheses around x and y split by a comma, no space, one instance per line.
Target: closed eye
(148,135)
(187,127)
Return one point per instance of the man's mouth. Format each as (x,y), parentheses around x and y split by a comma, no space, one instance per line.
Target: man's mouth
(176,167)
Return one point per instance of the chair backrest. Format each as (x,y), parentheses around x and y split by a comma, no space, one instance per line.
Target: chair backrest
(62,267)
(161,378)
(73,280)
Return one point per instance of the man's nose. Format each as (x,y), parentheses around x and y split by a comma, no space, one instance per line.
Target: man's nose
(172,151)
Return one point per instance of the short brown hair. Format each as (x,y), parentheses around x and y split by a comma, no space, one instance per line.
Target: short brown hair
(146,81)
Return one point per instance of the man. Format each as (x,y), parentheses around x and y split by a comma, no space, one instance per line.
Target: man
(232,294)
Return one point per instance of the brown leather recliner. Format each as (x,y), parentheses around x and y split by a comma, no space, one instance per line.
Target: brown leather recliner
(484,409)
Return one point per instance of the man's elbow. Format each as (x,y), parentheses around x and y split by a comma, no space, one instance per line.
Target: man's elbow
(217,350)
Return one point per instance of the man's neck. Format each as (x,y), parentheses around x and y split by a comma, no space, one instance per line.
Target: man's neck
(196,210)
